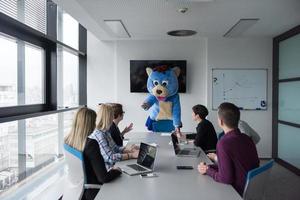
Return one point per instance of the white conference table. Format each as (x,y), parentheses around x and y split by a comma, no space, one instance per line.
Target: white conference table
(171,183)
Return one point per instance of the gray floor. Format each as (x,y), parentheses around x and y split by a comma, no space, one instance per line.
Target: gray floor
(283,184)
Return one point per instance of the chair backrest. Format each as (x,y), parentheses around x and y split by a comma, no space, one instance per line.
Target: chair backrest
(220,135)
(74,183)
(256,182)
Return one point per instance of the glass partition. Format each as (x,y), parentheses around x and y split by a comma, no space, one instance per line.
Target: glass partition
(289,58)
(289,102)
(288,144)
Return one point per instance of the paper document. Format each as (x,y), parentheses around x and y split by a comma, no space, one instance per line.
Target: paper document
(166,134)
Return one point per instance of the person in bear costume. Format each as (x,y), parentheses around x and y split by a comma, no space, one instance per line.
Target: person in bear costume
(163,101)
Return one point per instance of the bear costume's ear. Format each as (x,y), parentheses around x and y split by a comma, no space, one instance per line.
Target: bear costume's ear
(176,70)
(149,71)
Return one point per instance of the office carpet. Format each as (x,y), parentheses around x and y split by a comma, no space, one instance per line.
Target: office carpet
(283,184)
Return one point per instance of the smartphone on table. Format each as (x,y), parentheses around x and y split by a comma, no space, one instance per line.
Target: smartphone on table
(184,167)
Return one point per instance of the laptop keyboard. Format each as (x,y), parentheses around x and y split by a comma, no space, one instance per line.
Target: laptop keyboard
(185,152)
(137,167)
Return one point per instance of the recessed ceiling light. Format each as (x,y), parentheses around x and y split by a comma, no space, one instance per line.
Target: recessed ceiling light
(182,10)
(181,33)
(118,28)
(240,27)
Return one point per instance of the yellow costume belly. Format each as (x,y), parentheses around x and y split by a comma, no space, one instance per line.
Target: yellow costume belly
(165,110)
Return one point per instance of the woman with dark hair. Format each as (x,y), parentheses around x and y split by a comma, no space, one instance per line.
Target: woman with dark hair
(114,130)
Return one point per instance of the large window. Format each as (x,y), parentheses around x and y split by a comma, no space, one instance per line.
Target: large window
(40,85)
(28,145)
(41,140)
(68,60)
(68,71)
(67,122)
(34,74)
(67,29)
(8,72)
(21,72)
(8,155)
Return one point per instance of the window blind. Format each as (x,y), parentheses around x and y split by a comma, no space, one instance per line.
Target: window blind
(30,12)
(9,7)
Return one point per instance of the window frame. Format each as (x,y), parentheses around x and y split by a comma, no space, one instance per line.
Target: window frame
(275,112)
(49,43)
(16,29)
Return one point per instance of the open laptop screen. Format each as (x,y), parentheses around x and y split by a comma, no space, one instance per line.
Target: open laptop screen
(175,143)
(146,155)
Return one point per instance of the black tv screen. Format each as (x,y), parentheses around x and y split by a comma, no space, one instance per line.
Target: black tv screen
(138,74)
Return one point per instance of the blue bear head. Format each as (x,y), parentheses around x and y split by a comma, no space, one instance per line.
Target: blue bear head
(162,81)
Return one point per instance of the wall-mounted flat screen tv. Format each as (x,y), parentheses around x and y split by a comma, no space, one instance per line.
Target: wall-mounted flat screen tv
(138,74)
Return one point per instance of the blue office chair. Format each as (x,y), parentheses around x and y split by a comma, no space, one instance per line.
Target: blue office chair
(220,135)
(75,182)
(256,182)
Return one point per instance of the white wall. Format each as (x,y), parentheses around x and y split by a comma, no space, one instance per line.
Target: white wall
(244,53)
(108,75)
(194,51)
(109,78)
(101,70)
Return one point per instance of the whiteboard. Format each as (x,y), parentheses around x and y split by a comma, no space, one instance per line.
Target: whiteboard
(246,88)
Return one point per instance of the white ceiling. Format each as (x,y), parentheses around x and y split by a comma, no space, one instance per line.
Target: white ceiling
(151,19)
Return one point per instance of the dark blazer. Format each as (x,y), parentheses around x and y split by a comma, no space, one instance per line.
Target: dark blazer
(95,169)
(116,134)
(206,136)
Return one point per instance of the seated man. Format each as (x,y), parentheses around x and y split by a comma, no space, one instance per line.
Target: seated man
(244,128)
(206,136)
(236,152)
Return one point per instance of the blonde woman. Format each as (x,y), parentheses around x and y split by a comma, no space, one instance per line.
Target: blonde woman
(95,170)
(111,152)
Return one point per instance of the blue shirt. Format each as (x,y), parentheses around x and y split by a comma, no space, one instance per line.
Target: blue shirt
(110,152)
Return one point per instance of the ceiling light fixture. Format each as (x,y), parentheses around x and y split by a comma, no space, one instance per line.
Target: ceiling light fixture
(240,27)
(181,33)
(118,28)
(182,10)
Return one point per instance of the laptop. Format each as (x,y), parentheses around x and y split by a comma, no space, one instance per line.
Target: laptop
(145,161)
(186,152)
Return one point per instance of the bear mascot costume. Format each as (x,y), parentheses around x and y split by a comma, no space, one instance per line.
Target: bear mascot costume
(163,101)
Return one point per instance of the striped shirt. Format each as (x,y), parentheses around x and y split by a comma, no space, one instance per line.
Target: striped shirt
(110,152)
